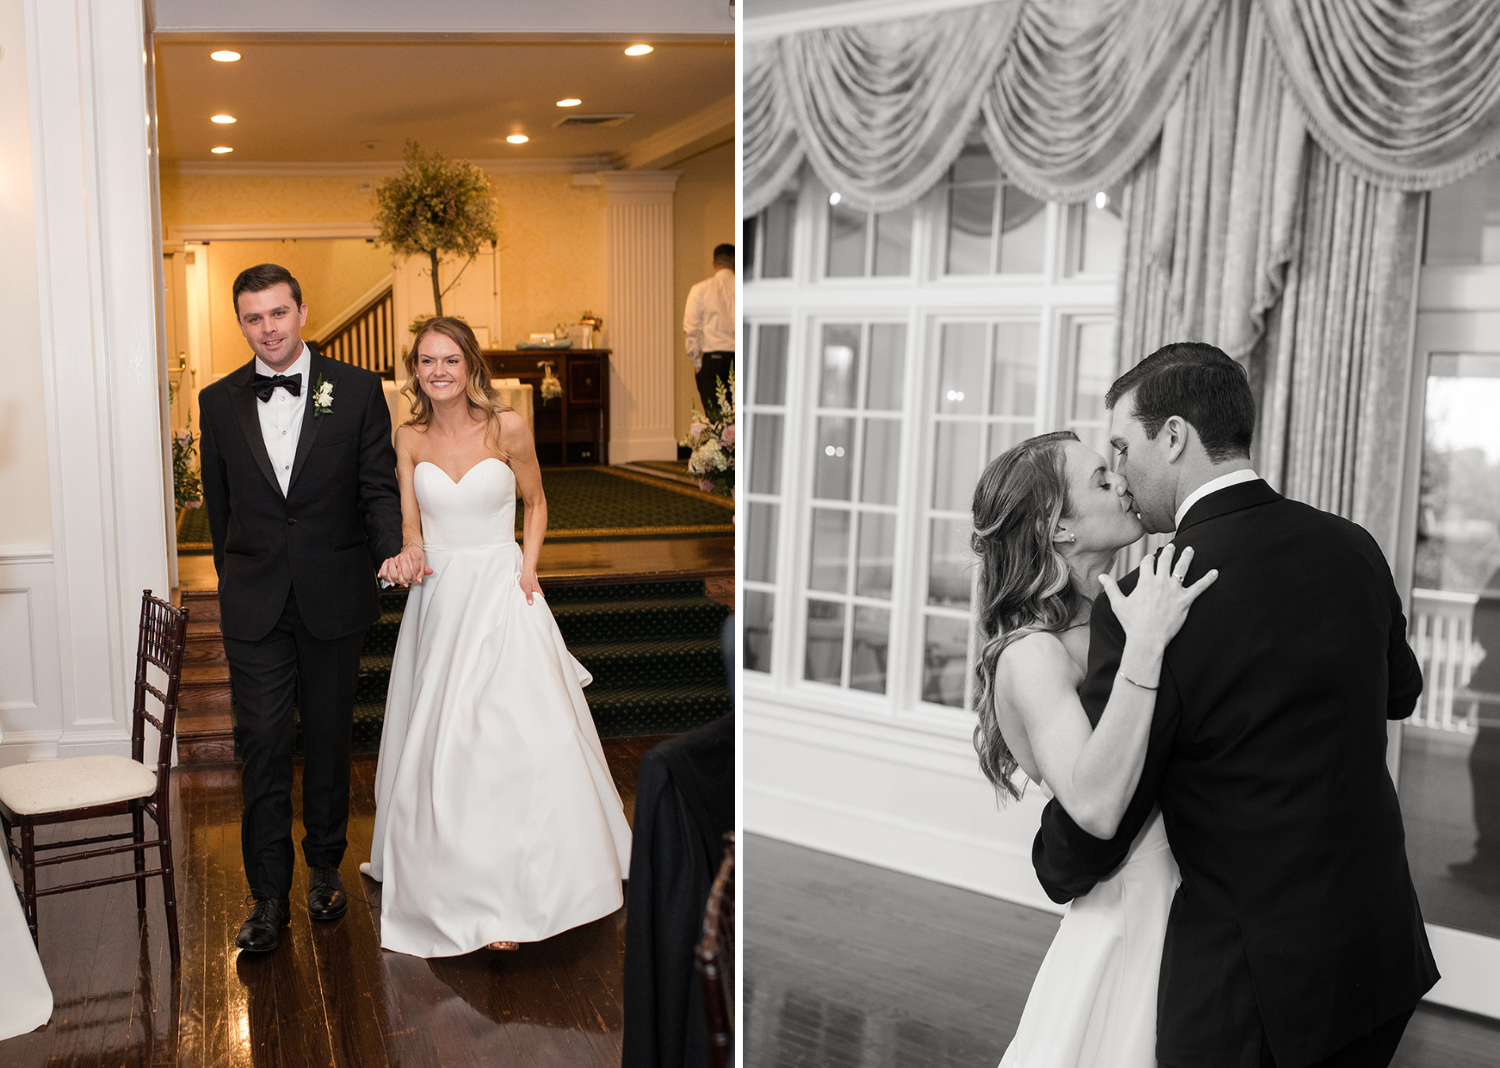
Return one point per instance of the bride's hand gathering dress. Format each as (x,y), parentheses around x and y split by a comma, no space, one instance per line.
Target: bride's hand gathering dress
(1093,1004)
(496,815)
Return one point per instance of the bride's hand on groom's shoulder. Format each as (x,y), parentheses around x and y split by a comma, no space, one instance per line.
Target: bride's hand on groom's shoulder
(1156,609)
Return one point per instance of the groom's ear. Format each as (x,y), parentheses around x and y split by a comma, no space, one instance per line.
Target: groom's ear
(1174,434)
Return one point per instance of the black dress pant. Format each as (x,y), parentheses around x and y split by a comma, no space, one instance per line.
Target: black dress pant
(716,365)
(265,676)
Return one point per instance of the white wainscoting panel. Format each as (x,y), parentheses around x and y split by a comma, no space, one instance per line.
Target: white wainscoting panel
(31,717)
(887,795)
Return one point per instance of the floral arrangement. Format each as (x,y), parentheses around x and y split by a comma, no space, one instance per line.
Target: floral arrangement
(711,437)
(187,485)
(551,385)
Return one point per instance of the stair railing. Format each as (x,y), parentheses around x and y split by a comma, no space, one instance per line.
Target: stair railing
(364,335)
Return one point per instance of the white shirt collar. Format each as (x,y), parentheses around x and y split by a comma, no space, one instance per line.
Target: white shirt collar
(299,366)
(1213,485)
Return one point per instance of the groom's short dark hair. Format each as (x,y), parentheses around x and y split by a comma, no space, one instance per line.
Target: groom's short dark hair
(264,276)
(1201,384)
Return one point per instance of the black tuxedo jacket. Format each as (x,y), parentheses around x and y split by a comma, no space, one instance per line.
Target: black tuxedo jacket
(340,517)
(1296,921)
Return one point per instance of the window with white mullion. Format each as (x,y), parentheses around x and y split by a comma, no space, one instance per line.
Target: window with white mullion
(984,400)
(851,510)
(764,389)
(992,227)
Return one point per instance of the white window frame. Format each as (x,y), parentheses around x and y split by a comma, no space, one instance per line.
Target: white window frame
(922,300)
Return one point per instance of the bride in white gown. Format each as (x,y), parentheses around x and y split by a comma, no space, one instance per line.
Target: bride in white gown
(497,820)
(1049,518)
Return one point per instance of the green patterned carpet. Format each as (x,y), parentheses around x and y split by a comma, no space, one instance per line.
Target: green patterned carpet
(653,649)
(582,503)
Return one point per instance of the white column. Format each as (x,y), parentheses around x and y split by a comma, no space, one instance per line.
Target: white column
(638,207)
(98,265)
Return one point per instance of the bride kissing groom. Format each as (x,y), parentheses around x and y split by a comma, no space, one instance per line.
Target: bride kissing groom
(1212,732)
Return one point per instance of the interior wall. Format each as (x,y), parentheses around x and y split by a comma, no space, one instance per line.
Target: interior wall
(703,216)
(26,519)
(551,251)
(333,273)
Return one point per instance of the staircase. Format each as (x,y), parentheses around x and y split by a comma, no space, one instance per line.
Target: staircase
(364,333)
(205,734)
(652,647)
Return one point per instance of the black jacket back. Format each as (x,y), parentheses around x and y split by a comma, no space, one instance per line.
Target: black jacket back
(1296,918)
(340,517)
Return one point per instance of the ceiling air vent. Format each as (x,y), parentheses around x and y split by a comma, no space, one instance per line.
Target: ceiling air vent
(594,120)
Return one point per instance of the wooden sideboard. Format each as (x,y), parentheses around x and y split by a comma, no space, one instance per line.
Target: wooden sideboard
(573,428)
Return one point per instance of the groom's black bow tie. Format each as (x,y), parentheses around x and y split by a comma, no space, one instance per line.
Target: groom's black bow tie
(265,385)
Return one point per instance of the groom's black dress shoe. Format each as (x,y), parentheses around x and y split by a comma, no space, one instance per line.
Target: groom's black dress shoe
(262,931)
(326,899)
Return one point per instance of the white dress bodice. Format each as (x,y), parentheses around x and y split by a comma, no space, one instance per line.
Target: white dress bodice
(476,512)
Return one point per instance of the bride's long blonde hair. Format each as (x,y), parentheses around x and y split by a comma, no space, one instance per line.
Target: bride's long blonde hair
(481,394)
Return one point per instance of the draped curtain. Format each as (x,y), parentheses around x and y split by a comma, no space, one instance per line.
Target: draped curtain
(1274,153)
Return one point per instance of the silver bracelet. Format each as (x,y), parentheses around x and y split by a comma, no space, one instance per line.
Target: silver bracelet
(1137,685)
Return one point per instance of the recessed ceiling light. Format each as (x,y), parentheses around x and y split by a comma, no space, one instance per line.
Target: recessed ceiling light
(224,56)
(221,150)
(571,102)
(518,139)
(638,50)
(222,120)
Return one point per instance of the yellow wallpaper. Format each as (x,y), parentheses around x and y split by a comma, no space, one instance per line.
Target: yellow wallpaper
(703,216)
(25,486)
(552,250)
(332,274)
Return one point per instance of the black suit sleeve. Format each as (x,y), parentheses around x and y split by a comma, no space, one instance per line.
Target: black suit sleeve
(379,494)
(215,485)
(1404,673)
(1068,860)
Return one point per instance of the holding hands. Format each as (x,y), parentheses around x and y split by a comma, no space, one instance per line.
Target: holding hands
(407,568)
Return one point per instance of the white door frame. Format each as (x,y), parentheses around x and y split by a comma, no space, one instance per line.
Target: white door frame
(1458,310)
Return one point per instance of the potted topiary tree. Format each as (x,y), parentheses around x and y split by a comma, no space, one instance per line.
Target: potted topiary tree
(435,207)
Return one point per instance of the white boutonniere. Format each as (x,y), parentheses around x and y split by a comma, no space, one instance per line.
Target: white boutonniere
(322,397)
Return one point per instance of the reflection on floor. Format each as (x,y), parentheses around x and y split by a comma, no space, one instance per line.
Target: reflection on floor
(1437,799)
(328,995)
(851,965)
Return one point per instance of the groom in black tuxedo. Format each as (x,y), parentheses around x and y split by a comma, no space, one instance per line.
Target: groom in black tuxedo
(299,478)
(1295,938)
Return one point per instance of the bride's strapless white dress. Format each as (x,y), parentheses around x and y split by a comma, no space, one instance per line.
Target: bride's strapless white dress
(1093,1004)
(496,815)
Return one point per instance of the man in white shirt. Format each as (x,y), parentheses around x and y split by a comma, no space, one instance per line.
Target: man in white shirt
(709,325)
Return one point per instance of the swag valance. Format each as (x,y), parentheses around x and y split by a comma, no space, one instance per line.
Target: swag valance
(1071,94)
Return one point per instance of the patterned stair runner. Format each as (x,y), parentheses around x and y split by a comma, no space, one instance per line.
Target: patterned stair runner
(653,649)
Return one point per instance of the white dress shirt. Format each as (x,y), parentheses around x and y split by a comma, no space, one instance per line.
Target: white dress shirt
(281,417)
(708,320)
(1213,485)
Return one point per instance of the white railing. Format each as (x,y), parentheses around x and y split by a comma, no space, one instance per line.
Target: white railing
(1442,636)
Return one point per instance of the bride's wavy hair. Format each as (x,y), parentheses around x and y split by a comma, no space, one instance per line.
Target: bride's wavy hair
(481,394)
(1024,582)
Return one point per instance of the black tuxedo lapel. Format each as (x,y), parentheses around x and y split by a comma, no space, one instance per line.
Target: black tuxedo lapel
(249,417)
(1231,499)
(317,368)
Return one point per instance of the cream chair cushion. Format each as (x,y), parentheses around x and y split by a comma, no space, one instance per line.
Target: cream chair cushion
(77,782)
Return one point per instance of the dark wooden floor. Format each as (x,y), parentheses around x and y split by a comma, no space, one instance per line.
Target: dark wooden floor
(328,995)
(852,966)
